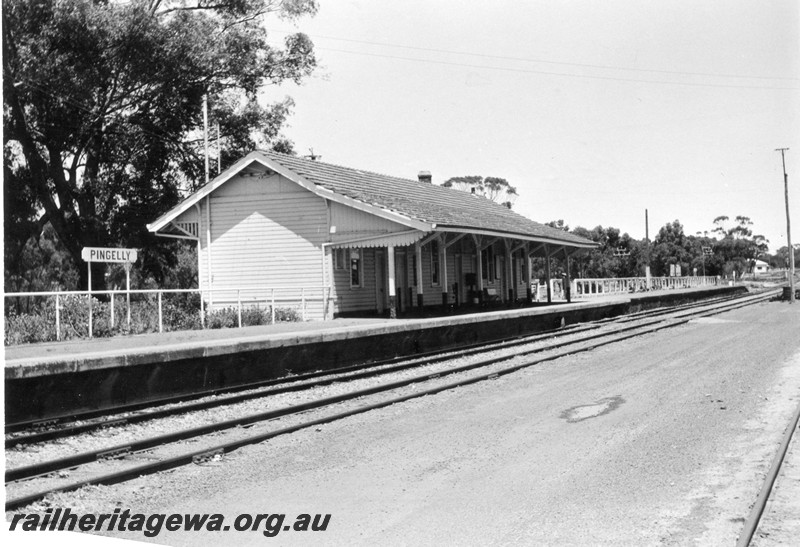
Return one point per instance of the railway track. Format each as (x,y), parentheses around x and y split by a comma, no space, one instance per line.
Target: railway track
(753,520)
(33,431)
(423,375)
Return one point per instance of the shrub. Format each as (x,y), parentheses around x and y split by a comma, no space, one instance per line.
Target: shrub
(27,329)
(251,316)
(179,312)
(286,315)
(221,319)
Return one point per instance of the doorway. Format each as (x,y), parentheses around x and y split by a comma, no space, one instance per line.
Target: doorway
(401,280)
(381,298)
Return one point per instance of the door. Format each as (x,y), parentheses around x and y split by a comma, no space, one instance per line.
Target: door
(515,276)
(401,280)
(381,297)
(459,279)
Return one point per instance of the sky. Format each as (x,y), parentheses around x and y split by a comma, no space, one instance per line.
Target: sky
(594,111)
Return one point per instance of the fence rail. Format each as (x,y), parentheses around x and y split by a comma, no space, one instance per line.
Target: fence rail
(298,299)
(268,298)
(588,288)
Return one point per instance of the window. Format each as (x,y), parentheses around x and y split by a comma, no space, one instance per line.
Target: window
(434,263)
(414,268)
(338,259)
(355,268)
(488,264)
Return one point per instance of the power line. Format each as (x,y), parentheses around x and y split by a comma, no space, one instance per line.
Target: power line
(546,61)
(548,73)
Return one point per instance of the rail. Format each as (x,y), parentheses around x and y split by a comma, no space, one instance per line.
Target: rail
(297,298)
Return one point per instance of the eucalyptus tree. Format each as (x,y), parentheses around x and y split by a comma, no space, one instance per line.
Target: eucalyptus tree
(103,107)
(671,246)
(494,188)
(739,246)
(617,253)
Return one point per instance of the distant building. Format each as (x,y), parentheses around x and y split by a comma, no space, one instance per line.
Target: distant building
(761,267)
(354,241)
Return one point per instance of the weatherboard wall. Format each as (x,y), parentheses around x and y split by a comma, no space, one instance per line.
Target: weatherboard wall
(266,232)
(350,224)
(347,298)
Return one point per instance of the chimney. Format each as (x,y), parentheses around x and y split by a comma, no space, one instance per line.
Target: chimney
(425,176)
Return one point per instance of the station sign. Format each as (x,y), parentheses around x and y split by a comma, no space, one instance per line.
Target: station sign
(98,254)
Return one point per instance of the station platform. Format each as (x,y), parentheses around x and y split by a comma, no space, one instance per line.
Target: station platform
(54,378)
(77,355)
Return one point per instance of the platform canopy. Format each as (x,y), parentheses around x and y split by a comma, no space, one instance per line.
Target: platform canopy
(419,208)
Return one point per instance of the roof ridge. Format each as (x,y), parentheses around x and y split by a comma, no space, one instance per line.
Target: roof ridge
(419,200)
(445,189)
(338,166)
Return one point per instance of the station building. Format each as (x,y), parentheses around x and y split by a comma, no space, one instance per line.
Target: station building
(354,242)
(761,267)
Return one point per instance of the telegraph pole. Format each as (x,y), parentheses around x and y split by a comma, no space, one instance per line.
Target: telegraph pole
(647,247)
(219,152)
(706,252)
(205,131)
(788,225)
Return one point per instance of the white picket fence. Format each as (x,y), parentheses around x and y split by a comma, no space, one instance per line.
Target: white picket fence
(590,288)
(302,299)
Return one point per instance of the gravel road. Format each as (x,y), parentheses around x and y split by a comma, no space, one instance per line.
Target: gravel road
(659,440)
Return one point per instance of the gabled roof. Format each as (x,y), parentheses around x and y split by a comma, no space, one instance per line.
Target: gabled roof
(419,205)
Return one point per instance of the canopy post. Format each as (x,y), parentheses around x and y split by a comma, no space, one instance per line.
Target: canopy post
(567,280)
(547,273)
(392,291)
(418,274)
(528,274)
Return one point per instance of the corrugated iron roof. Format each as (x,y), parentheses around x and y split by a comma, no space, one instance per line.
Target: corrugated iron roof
(445,207)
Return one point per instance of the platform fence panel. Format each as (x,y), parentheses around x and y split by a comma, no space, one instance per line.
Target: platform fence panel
(58,315)
(597,287)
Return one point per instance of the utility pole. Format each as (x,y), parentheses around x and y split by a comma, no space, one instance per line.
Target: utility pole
(219,152)
(647,247)
(788,225)
(706,252)
(205,131)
